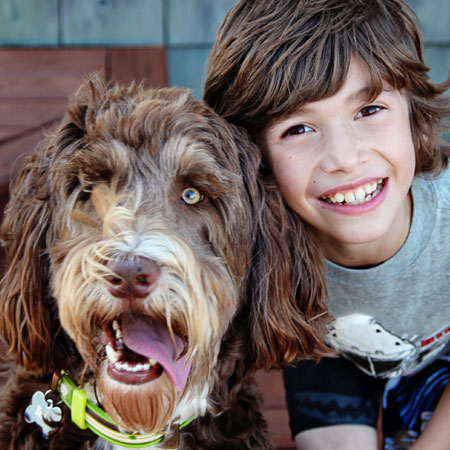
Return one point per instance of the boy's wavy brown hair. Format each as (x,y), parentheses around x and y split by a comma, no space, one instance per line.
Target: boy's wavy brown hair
(271,57)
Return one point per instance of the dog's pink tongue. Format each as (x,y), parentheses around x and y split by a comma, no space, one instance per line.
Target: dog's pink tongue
(153,340)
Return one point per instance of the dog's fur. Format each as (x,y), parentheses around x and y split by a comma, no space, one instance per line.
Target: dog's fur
(235,278)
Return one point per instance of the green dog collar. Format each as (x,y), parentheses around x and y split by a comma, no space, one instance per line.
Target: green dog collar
(86,414)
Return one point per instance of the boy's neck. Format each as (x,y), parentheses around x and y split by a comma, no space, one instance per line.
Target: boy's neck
(369,254)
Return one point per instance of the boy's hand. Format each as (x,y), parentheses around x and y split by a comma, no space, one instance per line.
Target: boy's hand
(436,435)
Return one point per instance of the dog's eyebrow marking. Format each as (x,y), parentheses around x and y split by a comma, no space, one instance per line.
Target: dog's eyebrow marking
(101,198)
(84,218)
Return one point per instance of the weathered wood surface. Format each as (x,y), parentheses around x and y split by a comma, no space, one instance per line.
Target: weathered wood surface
(35,85)
(111,22)
(29,22)
(271,386)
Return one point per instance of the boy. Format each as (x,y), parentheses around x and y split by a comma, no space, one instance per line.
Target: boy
(337,95)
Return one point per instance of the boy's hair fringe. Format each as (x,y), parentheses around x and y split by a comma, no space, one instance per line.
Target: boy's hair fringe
(271,57)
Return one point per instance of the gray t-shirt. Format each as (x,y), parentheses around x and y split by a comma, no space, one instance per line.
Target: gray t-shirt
(394,319)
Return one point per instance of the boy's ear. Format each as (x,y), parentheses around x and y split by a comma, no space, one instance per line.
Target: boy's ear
(287,286)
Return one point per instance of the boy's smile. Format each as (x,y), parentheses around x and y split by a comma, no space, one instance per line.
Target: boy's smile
(345,166)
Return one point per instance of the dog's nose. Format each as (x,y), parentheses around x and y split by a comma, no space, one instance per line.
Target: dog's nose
(136,277)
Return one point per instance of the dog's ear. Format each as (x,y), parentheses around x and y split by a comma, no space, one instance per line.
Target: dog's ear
(286,289)
(25,318)
(27,323)
(83,106)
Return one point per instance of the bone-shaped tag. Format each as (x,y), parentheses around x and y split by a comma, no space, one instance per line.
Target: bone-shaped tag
(42,410)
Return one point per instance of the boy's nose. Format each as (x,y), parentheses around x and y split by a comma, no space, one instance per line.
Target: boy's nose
(344,152)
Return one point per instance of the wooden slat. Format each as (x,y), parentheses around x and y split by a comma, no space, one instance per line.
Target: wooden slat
(148,64)
(25,22)
(434,19)
(438,59)
(112,22)
(271,387)
(187,68)
(272,384)
(24,114)
(35,85)
(12,156)
(195,21)
(46,73)
(278,424)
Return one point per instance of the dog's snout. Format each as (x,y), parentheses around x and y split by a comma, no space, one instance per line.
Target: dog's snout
(136,277)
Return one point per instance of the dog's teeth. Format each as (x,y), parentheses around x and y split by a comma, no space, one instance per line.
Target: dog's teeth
(121,366)
(112,355)
(139,367)
(117,330)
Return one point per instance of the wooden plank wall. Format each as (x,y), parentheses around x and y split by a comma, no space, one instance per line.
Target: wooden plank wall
(186,28)
(35,85)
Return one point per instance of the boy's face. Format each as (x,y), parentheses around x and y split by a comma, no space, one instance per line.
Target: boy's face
(346,166)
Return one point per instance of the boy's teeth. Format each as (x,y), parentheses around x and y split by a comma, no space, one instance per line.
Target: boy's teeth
(349,197)
(358,196)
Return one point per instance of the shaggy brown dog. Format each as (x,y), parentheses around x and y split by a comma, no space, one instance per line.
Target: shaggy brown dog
(148,264)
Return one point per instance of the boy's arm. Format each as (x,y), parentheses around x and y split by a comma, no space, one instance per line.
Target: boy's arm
(337,437)
(436,435)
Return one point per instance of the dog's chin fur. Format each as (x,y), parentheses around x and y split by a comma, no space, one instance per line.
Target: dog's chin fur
(146,407)
(236,284)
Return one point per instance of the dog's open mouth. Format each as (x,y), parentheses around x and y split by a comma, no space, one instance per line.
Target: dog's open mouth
(139,350)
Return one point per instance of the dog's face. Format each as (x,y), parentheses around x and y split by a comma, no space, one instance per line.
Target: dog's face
(137,223)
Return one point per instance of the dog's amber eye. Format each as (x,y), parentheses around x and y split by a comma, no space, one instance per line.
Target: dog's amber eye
(191,196)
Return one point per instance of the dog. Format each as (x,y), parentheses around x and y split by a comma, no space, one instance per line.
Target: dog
(151,270)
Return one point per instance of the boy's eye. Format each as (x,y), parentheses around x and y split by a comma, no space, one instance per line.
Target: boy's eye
(369,111)
(297,129)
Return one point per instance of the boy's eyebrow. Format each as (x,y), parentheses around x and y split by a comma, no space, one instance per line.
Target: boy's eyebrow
(360,94)
(364,93)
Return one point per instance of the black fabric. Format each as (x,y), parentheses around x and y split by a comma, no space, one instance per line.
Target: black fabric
(332,392)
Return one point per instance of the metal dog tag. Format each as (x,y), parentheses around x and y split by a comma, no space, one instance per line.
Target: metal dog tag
(42,410)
